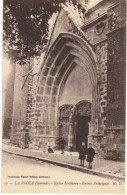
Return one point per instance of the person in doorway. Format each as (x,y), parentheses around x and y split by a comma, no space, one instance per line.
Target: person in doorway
(62,144)
(50,150)
(82,153)
(90,155)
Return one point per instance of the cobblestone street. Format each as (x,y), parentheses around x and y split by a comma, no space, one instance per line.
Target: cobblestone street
(99,164)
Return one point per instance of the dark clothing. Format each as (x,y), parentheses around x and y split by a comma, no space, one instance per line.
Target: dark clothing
(50,150)
(82,152)
(62,143)
(90,154)
(62,147)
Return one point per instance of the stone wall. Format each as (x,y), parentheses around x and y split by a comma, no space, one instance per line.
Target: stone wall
(8,104)
(101,52)
(114,143)
(24,93)
(107,33)
(19,105)
(24,100)
(31,101)
(116,78)
(114,135)
(59,26)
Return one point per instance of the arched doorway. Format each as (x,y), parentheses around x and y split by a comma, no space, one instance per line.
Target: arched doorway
(77,87)
(67,52)
(79,124)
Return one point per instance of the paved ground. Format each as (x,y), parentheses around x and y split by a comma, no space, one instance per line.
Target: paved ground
(20,174)
(99,164)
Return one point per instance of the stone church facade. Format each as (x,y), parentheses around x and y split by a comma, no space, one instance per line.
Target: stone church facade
(97,47)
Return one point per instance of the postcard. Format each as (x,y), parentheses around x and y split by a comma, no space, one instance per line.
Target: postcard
(63,107)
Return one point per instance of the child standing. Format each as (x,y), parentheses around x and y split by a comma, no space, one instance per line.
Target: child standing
(90,155)
(82,154)
(62,144)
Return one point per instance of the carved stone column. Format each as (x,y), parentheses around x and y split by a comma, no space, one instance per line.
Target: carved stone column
(93,130)
(71,126)
(70,136)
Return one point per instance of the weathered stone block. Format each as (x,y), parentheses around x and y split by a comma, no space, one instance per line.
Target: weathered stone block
(48,89)
(57,80)
(45,71)
(54,99)
(39,98)
(46,99)
(55,90)
(40,90)
(43,80)
(50,81)
(53,71)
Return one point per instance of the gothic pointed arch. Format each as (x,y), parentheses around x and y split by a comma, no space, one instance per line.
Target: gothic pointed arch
(67,51)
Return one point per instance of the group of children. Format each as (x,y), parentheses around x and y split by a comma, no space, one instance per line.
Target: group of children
(84,153)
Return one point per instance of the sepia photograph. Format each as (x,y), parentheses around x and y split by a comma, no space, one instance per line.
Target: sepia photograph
(63,96)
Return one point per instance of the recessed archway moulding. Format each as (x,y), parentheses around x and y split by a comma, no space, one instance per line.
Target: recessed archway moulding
(66,52)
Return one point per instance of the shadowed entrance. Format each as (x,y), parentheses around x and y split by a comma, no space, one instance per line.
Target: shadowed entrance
(79,125)
(82,131)
(82,119)
(75,128)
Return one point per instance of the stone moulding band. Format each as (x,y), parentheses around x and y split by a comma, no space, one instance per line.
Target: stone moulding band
(43,136)
(112,6)
(96,135)
(100,4)
(114,129)
(94,21)
(103,40)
